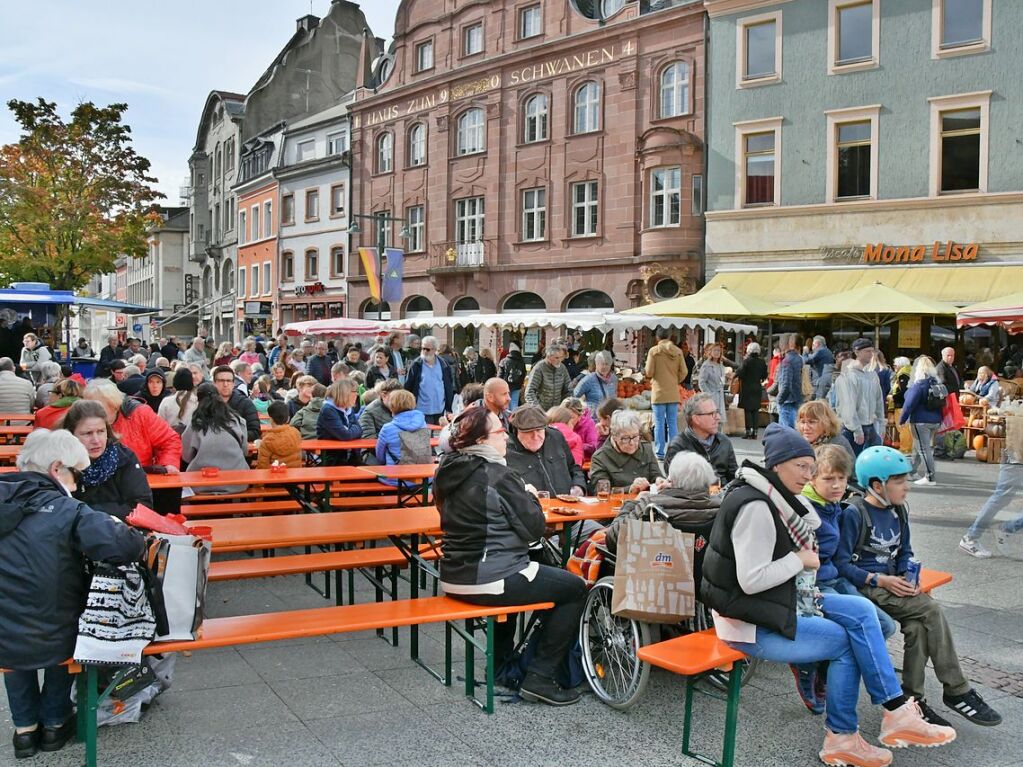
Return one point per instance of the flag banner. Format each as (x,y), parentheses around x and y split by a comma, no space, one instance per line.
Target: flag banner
(394,275)
(370,265)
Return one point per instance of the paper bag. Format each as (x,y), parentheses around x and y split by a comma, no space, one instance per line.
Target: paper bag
(181,563)
(653,579)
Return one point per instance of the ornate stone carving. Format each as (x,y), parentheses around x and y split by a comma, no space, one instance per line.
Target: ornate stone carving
(627,80)
(681,273)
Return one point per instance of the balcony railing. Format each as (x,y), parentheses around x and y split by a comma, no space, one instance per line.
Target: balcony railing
(461,256)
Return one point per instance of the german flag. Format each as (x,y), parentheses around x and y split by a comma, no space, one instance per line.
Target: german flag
(371,265)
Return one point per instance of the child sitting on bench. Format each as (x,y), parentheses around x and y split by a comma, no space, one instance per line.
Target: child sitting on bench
(873,553)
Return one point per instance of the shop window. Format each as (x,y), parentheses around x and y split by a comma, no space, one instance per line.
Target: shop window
(584,209)
(471,133)
(312,264)
(854,32)
(959,27)
(287,266)
(530,21)
(417,145)
(385,153)
(416,222)
(665,197)
(472,39)
(959,143)
(534,215)
(675,89)
(312,205)
(587,108)
(424,56)
(535,128)
(287,210)
(758,49)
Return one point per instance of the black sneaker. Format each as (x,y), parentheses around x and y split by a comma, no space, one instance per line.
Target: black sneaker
(26,744)
(55,738)
(931,716)
(540,689)
(971,706)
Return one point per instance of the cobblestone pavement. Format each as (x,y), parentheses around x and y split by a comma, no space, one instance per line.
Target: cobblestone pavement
(353,700)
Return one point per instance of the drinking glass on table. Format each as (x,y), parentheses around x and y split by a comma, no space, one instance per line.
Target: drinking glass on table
(603,489)
(543,495)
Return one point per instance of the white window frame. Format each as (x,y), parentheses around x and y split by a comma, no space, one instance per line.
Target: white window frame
(309,273)
(266,278)
(385,152)
(528,10)
(334,211)
(743,129)
(679,89)
(836,68)
(242,281)
(284,208)
(243,231)
(834,118)
(286,256)
(740,49)
(939,104)
(417,147)
(268,218)
(415,218)
(466,32)
(305,150)
(311,194)
(254,223)
(589,206)
(937,17)
(534,214)
(589,109)
(471,139)
(340,271)
(254,286)
(337,142)
(424,56)
(468,221)
(666,193)
(536,126)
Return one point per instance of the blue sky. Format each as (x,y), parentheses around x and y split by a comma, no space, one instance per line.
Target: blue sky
(162,59)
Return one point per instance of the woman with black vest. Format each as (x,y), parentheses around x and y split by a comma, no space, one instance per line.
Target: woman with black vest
(759,578)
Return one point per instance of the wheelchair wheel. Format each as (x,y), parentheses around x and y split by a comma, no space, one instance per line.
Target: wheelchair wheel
(718,679)
(610,647)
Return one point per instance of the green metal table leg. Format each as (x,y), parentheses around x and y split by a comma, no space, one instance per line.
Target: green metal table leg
(80,712)
(447,654)
(91,708)
(491,628)
(731,715)
(413,572)
(687,720)
(470,662)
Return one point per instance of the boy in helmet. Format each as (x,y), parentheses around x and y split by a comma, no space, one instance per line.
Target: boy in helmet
(873,552)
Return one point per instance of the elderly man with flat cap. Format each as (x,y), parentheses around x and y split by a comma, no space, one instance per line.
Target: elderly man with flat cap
(540,455)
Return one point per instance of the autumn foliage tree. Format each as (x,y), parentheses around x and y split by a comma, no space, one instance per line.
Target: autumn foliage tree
(74,195)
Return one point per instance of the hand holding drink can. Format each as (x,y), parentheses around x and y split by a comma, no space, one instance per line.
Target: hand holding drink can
(913,572)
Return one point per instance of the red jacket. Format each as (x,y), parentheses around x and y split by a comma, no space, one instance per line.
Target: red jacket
(50,417)
(147,435)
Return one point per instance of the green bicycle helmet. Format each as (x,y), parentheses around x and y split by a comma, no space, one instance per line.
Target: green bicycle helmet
(880,463)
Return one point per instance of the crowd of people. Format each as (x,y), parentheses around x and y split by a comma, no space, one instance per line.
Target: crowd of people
(799,568)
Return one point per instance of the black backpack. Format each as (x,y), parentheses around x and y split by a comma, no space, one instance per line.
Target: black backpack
(513,371)
(937,395)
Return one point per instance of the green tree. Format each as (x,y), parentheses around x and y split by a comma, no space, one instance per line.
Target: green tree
(74,195)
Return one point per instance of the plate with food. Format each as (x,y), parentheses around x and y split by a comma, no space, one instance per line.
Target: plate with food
(567,498)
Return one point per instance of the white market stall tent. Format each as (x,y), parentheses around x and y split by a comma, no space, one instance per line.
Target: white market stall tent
(343,326)
(602,321)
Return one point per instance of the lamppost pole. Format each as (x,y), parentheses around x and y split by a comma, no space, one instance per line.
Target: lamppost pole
(381,219)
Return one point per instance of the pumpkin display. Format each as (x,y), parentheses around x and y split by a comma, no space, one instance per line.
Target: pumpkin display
(977,423)
(995,430)
(979,441)
(967,398)
(982,454)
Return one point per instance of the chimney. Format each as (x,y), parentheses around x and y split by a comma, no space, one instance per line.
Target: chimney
(307,23)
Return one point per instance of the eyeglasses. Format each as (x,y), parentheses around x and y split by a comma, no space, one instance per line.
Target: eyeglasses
(634,438)
(223,380)
(714,413)
(502,430)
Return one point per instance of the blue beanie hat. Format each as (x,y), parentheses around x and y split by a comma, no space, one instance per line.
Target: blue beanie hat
(783,444)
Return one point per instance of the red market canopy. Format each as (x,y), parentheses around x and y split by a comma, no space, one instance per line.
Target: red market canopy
(1006,312)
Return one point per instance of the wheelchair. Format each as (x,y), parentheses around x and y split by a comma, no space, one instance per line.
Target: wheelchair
(610,643)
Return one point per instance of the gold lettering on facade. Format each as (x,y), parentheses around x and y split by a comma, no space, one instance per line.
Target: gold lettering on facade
(567,64)
(476,87)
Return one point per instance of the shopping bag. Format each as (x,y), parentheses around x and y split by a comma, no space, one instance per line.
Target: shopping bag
(118,620)
(952,414)
(653,579)
(181,564)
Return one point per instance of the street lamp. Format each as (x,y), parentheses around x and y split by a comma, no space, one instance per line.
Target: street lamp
(381,219)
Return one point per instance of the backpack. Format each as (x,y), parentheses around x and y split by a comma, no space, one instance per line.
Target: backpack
(415,447)
(937,395)
(513,371)
(951,445)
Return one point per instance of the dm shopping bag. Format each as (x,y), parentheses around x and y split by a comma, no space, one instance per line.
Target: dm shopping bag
(118,620)
(181,564)
(653,579)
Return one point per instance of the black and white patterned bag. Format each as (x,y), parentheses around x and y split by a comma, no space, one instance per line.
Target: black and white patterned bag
(118,621)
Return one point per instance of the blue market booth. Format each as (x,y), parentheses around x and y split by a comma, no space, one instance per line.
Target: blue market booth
(40,305)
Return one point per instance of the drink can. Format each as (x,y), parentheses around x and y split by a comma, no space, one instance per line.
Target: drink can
(913,571)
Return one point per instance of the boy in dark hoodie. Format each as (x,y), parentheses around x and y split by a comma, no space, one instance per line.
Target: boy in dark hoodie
(873,553)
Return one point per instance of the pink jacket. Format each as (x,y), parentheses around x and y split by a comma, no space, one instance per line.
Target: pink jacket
(575,444)
(587,431)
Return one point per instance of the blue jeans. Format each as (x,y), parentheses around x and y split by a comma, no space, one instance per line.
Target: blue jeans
(870,439)
(850,638)
(1010,482)
(787,414)
(515,399)
(665,425)
(842,586)
(50,707)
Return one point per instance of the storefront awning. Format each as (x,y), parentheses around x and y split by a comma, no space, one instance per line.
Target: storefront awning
(1005,311)
(602,321)
(960,285)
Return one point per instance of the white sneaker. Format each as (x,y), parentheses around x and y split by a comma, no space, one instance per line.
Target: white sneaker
(1003,540)
(925,482)
(973,548)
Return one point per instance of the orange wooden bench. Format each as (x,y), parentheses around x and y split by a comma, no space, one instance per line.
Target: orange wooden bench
(694,655)
(255,493)
(299,624)
(212,510)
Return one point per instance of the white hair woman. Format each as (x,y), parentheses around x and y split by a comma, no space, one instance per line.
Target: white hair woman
(49,374)
(43,584)
(602,383)
(922,411)
(626,460)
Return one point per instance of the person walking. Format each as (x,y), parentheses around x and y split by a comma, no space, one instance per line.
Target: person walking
(751,374)
(711,378)
(513,371)
(947,372)
(549,381)
(858,399)
(666,369)
(822,366)
(921,408)
(790,381)
(431,381)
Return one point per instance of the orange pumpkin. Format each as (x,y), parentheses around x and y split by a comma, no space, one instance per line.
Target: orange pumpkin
(979,441)
(967,398)
(982,454)
(978,423)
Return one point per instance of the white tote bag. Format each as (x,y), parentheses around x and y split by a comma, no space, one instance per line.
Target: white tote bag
(181,564)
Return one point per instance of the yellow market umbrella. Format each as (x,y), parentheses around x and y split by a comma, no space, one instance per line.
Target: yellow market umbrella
(718,302)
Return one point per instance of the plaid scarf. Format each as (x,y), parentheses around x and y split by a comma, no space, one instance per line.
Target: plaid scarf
(791,512)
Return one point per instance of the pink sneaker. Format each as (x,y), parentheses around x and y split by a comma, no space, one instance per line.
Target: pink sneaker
(852,751)
(906,726)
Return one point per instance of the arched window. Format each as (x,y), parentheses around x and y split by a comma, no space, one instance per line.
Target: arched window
(524,302)
(418,307)
(287,266)
(417,145)
(465,305)
(312,263)
(587,108)
(227,280)
(370,310)
(207,282)
(471,136)
(385,153)
(675,89)
(535,128)
(588,300)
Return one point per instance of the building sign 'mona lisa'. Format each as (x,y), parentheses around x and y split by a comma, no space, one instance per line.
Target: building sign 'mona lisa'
(879,253)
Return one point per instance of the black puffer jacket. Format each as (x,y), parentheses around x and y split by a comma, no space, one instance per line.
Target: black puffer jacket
(488,519)
(243,406)
(127,487)
(551,468)
(44,537)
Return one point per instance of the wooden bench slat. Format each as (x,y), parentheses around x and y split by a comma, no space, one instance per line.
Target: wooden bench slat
(299,564)
(691,654)
(279,492)
(206,510)
(299,624)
